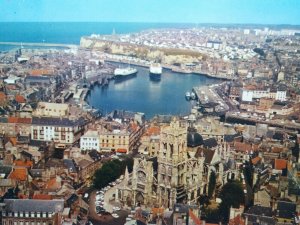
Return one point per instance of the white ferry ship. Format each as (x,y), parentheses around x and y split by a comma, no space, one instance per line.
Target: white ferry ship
(155,71)
(124,72)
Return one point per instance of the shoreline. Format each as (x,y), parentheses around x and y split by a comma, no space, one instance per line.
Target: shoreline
(168,67)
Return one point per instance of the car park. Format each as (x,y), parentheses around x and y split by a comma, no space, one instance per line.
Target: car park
(115,215)
(116,208)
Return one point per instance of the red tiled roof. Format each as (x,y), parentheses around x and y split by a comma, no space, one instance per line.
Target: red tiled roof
(20,99)
(2,96)
(256,160)
(153,130)
(280,164)
(42,197)
(242,147)
(19,120)
(157,210)
(121,150)
(13,140)
(277,149)
(134,126)
(39,72)
(22,163)
(238,220)
(195,219)
(22,196)
(52,184)
(19,174)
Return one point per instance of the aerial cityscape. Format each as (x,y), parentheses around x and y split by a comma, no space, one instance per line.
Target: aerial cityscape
(137,112)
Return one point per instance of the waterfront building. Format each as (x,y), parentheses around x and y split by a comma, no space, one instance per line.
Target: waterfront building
(121,139)
(90,141)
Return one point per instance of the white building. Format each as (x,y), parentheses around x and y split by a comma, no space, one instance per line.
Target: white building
(247,95)
(90,141)
(48,109)
(11,79)
(60,130)
(281,95)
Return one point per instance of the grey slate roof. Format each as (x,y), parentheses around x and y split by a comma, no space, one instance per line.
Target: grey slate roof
(210,143)
(48,121)
(37,79)
(260,213)
(70,165)
(286,209)
(33,205)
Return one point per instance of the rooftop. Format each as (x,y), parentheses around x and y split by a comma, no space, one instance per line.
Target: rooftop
(33,205)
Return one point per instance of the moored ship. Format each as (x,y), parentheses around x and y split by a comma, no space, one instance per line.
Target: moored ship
(155,71)
(123,73)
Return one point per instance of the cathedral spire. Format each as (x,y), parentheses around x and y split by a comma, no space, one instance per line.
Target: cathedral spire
(126,176)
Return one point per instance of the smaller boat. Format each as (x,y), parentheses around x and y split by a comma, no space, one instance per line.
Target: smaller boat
(188,95)
(193,95)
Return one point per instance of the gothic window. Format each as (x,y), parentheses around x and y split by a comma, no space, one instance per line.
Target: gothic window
(142,176)
(165,145)
(171,150)
(163,169)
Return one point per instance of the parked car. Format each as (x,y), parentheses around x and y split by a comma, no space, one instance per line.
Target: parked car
(116,208)
(115,215)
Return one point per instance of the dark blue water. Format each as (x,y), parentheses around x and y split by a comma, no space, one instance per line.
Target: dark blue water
(70,32)
(140,94)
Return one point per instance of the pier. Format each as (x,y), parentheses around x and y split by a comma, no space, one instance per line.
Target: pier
(39,44)
(255,120)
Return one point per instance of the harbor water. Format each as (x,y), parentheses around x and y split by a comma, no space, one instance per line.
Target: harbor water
(141,94)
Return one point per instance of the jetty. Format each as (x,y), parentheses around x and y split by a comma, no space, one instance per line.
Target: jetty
(34,44)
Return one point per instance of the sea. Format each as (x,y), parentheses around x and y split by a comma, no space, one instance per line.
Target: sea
(139,94)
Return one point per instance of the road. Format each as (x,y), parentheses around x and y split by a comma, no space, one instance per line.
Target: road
(108,206)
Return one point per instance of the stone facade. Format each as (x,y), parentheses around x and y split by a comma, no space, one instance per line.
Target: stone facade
(174,176)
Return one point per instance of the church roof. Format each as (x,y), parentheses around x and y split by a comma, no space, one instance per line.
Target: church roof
(210,143)
(206,153)
(194,139)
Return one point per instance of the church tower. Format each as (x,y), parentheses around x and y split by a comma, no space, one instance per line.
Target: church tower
(172,158)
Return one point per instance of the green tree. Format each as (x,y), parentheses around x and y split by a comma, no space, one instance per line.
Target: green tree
(232,195)
(110,171)
(248,172)
(212,215)
(211,184)
(295,150)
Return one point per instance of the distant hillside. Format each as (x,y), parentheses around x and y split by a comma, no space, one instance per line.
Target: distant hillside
(163,55)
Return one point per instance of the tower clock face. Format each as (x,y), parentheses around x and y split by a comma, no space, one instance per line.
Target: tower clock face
(141,176)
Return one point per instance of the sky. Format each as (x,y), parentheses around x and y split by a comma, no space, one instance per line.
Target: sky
(173,11)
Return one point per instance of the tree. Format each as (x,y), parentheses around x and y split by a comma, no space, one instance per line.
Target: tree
(212,215)
(232,195)
(211,184)
(248,172)
(295,150)
(110,171)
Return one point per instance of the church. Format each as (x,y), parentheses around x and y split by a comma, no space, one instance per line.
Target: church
(179,173)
